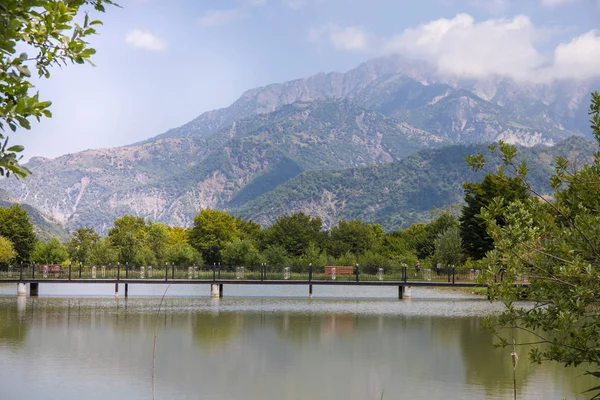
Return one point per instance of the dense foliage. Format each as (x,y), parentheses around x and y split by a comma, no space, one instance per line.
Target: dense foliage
(555,245)
(473,228)
(15,226)
(48,31)
(7,250)
(217,237)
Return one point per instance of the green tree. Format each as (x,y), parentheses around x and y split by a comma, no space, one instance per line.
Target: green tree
(276,256)
(7,250)
(15,226)
(371,262)
(50,252)
(240,253)
(48,31)
(313,255)
(555,247)
(395,248)
(157,240)
(144,255)
(346,259)
(448,247)
(211,230)
(433,230)
(184,254)
(127,236)
(81,244)
(416,239)
(295,233)
(473,228)
(103,253)
(249,230)
(354,236)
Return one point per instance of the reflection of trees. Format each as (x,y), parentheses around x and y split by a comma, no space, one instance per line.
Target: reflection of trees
(214,330)
(13,323)
(495,374)
(298,328)
(488,366)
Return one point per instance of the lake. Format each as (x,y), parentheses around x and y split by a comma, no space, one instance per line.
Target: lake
(262,342)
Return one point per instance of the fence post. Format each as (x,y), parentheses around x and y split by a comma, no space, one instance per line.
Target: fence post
(310,272)
(172,270)
(453,273)
(356,271)
(127,270)
(70,265)
(80,265)
(214,271)
(262,271)
(166,271)
(219,268)
(33,271)
(404,272)
(21,273)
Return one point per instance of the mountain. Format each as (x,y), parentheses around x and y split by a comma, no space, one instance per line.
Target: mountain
(394,83)
(398,194)
(377,113)
(44,227)
(171,179)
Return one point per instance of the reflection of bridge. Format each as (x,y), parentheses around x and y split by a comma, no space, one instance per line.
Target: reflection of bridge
(217,276)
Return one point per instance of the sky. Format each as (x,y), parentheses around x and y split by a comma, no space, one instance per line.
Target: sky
(161,63)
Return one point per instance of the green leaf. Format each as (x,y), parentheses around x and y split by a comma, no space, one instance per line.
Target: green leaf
(16,148)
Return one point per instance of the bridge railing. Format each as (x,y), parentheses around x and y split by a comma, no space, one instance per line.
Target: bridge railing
(215,272)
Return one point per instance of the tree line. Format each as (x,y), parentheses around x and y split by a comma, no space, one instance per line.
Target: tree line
(218,237)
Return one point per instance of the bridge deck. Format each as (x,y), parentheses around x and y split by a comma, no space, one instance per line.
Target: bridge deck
(248,282)
(262,275)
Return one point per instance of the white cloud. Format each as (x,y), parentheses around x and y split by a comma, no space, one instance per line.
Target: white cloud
(352,38)
(221,17)
(143,39)
(464,47)
(578,58)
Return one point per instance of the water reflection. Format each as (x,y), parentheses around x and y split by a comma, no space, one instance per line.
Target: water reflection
(263,349)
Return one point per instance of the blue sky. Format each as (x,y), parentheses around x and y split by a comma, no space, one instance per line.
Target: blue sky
(160,63)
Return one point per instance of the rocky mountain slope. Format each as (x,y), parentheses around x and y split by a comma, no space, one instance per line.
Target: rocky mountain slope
(375,114)
(398,194)
(393,83)
(44,227)
(171,179)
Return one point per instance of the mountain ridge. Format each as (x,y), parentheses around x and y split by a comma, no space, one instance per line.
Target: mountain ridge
(377,113)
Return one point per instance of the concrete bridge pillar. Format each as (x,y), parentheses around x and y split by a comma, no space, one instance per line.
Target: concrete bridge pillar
(404,292)
(34,289)
(21,289)
(214,290)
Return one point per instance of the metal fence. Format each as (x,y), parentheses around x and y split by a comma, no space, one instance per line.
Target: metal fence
(309,273)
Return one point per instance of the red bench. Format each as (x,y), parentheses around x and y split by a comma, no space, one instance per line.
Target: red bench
(50,268)
(339,270)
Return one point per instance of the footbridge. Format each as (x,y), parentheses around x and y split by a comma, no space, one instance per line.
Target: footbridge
(217,276)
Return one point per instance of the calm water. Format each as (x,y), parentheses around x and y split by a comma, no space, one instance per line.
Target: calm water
(261,343)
